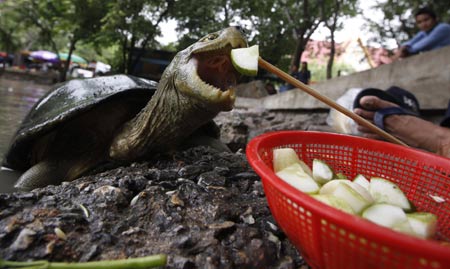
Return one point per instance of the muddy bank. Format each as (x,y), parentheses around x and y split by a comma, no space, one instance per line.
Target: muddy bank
(204,208)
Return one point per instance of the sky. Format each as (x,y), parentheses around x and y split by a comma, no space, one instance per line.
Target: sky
(352,28)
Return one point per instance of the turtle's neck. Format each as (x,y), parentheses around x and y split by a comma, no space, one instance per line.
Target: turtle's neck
(163,123)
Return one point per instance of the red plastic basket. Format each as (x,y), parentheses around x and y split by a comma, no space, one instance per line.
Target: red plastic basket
(329,238)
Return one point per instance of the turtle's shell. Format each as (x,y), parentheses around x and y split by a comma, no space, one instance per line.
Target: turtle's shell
(68,100)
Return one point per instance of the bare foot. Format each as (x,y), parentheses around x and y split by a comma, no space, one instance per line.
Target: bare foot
(414,131)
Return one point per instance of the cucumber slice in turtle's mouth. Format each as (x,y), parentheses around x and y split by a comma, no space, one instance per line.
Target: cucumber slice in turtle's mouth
(215,68)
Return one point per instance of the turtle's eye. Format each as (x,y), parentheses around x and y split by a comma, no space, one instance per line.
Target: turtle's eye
(209,37)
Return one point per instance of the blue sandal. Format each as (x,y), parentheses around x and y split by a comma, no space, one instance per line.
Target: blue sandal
(406,101)
(380,114)
(396,95)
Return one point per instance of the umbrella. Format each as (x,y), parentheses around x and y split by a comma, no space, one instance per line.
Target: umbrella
(74,58)
(44,55)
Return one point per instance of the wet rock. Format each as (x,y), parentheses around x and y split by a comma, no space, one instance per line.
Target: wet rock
(203,208)
(239,126)
(23,240)
(182,263)
(211,179)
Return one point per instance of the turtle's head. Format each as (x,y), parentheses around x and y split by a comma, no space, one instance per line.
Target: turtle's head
(204,70)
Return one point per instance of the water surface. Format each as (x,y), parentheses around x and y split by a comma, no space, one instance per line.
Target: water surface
(16,99)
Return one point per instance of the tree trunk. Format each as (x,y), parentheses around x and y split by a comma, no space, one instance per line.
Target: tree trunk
(124,55)
(132,47)
(299,49)
(65,67)
(331,59)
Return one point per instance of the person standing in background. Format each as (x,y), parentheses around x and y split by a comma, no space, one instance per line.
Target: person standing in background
(304,75)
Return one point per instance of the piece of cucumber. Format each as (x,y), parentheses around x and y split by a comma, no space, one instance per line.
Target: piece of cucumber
(388,215)
(340,176)
(385,191)
(284,157)
(335,202)
(362,181)
(357,201)
(245,60)
(331,186)
(424,224)
(322,172)
(298,178)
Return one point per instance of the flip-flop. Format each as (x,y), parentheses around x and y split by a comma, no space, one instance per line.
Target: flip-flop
(396,95)
(380,114)
(407,99)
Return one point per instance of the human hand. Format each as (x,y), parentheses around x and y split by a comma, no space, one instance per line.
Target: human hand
(413,130)
(401,52)
(369,105)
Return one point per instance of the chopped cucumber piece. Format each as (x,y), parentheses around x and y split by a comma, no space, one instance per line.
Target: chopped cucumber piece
(322,172)
(352,197)
(296,177)
(284,157)
(341,176)
(385,191)
(424,224)
(330,186)
(306,168)
(335,202)
(390,216)
(362,181)
(245,60)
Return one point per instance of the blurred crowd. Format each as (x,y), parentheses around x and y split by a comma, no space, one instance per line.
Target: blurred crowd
(47,61)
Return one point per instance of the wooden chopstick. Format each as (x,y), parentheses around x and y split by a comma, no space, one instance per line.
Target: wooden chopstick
(360,120)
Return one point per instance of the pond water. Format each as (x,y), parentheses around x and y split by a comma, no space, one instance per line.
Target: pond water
(16,98)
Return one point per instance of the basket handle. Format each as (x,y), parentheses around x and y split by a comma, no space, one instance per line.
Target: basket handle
(360,120)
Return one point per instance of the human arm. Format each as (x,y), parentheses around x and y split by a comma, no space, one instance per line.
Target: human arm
(438,37)
(413,130)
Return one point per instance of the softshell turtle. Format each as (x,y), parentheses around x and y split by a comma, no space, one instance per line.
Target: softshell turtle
(83,123)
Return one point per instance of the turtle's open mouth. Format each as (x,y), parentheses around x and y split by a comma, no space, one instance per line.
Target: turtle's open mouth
(215,68)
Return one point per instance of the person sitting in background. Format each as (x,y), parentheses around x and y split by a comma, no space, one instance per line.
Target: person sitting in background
(402,120)
(432,35)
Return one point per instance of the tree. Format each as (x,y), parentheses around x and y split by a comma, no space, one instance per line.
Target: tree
(133,23)
(203,17)
(74,20)
(10,28)
(280,27)
(284,25)
(333,12)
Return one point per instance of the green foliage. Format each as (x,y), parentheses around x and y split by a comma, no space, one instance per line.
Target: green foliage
(132,23)
(319,71)
(107,30)
(198,18)
(10,38)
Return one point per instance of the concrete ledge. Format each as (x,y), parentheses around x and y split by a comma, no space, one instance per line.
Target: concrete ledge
(426,75)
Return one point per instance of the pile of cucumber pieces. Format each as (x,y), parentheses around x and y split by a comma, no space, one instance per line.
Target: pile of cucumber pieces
(377,200)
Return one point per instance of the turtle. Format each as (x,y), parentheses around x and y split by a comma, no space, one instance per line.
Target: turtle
(83,123)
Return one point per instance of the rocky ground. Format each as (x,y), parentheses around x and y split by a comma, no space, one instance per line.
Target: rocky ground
(205,209)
